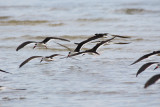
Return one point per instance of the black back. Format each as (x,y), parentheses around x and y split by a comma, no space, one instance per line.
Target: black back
(4,71)
(89,39)
(152,80)
(98,45)
(48,38)
(24,44)
(143,67)
(27,60)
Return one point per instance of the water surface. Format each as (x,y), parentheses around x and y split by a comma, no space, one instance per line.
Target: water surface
(82,81)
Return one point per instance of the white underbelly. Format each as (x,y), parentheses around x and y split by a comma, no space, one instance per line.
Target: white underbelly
(48,59)
(41,45)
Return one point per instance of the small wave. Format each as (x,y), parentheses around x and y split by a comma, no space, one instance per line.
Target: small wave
(4,17)
(56,24)
(16,6)
(91,92)
(132,11)
(130,83)
(96,19)
(25,22)
(8,38)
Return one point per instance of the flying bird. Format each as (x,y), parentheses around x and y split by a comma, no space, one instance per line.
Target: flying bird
(100,35)
(143,67)
(92,50)
(146,56)
(46,58)
(39,44)
(4,71)
(152,80)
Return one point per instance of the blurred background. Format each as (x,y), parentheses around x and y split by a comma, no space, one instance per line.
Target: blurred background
(82,81)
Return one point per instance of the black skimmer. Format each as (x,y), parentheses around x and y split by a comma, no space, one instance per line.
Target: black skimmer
(98,35)
(94,49)
(152,80)
(158,65)
(79,45)
(5,71)
(143,67)
(39,44)
(46,58)
(3,87)
(146,56)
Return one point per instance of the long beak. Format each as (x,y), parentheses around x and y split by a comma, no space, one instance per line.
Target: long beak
(46,47)
(68,56)
(34,47)
(97,53)
(41,60)
(156,67)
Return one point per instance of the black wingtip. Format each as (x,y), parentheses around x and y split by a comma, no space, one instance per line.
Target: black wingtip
(145,86)
(20,66)
(76,43)
(133,63)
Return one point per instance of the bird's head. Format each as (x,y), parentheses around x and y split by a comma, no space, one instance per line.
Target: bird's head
(35,45)
(69,53)
(157,66)
(41,60)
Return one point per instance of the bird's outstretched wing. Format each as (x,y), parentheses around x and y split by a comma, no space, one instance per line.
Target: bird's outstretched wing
(4,71)
(99,44)
(143,67)
(54,55)
(121,36)
(27,60)
(77,53)
(146,56)
(48,38)
(152,80)
(24,44)
(69,49)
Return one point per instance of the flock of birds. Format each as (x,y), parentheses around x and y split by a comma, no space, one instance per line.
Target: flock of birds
(154,78)
(78,51)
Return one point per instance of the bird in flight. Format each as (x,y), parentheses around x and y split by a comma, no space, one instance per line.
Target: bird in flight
(39,44)
(146,56)
(92,50)
(96,36)
(46,58)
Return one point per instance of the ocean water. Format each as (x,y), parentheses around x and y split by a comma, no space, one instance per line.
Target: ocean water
(101,80)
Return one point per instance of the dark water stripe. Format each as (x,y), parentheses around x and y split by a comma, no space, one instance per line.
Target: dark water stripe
(135,11)
(25,22)
(4,17)
(98,19)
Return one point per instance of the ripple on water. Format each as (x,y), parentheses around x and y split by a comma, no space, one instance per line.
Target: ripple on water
(24,22)
(132,11)
(90,92)
(4,17)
